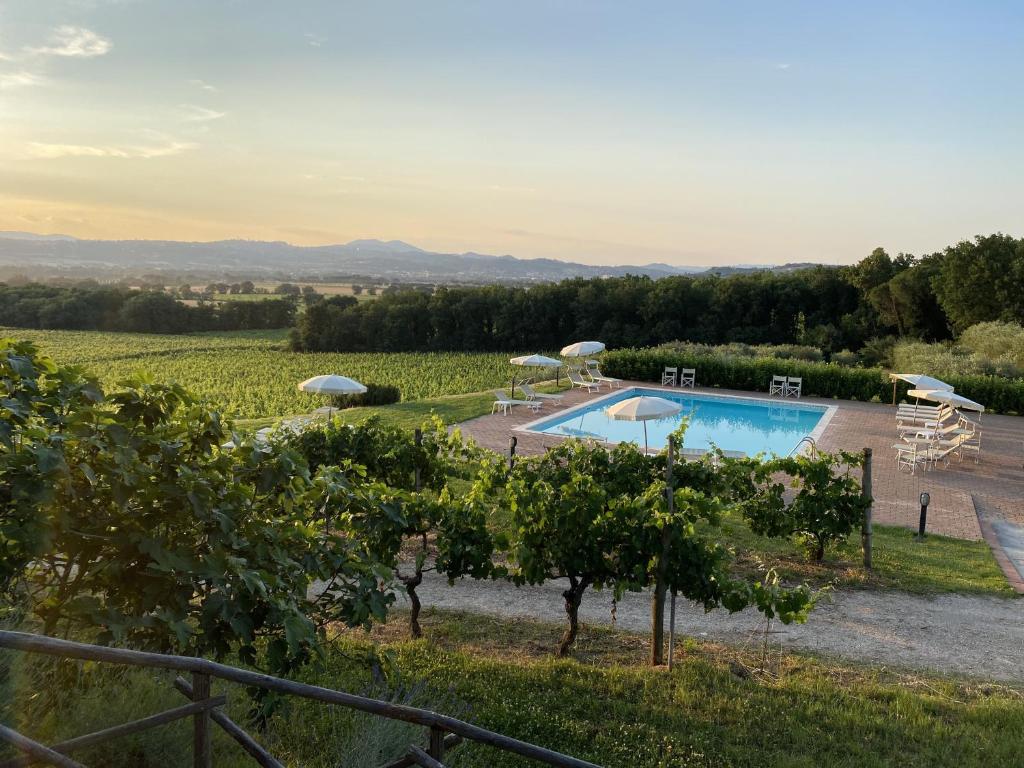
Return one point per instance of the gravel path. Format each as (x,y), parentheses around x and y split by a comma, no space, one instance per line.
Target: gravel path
(980,637)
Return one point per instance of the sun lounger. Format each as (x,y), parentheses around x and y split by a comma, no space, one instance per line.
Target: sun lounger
(505,403)
(532,394)
(577,380)
(594,372)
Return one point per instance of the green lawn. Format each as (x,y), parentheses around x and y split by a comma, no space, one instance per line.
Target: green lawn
(939,564)
(715,709)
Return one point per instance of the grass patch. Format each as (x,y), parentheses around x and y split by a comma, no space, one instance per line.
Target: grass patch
(602,705)
(937,565)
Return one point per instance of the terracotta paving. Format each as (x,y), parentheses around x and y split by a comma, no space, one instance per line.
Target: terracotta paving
(994,487)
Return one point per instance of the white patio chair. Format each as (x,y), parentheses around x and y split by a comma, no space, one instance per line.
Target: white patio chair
(688,377)
(911,456)
(778,386)
(794,386)
(668,376)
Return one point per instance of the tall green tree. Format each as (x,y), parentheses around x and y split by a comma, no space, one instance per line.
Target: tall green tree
(982,280)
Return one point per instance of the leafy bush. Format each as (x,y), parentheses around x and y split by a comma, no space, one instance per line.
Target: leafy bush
(845,358)
(819,379)
(827,507)
(375,394)
(986,349)
(736,349)
(125,521)
(602,519)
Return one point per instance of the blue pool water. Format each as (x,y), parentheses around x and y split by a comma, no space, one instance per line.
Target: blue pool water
(731,423)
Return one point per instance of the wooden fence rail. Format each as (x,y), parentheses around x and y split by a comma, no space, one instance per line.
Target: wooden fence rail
(445,732)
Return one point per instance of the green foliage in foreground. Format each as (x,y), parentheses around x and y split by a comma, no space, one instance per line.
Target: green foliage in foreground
(251,376)
(603,705)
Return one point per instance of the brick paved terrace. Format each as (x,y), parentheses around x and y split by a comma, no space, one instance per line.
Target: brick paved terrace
(993,488)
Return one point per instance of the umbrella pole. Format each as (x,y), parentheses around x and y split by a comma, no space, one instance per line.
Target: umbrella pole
(646,447)
(894,391)
(513,395)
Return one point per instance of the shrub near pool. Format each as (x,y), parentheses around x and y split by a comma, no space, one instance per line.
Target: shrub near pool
(819,379)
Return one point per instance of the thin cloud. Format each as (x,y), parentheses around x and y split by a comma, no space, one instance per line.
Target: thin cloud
(23,79)
(53,151)
(77,42)
(783,65)
(315,40)
(192,113)
(203,85)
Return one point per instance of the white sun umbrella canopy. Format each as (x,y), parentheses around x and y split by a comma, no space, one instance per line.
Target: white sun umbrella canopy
(582,349)
(920,381)
(949,398)
(643,409)
(533,361)
(332,385)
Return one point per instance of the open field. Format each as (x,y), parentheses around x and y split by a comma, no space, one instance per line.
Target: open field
(251,375)
(716,708)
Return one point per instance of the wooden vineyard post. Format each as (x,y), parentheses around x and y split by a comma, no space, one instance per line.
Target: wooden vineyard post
(418,438)
(202,757)
(658,599)
(512,441)
(436,743)
(865,490)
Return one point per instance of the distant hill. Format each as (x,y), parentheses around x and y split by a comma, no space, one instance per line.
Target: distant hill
(386,260)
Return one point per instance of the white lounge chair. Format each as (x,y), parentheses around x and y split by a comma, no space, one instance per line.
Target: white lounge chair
(668,377)
(505,403)
(941,451)
(532,394)
(594,372)
(778,386)
(794,386)
(945,418)
(688,377)
(577,380)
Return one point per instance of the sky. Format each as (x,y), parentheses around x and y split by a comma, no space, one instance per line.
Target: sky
(699,133)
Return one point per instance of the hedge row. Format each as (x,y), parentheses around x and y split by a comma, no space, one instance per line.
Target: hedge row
(375,394)
(819,379)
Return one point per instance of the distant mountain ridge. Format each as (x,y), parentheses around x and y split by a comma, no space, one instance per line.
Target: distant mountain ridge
(387,260)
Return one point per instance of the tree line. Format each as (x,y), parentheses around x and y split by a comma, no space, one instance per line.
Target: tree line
(834,308)
(112,308)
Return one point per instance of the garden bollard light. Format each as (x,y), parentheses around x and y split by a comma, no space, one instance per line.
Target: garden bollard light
(925,498)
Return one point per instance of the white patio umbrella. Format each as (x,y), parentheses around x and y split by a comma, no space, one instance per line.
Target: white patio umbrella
(643,409)
(533,361)
(582,349)
(949,398)
(918,381)
(333,385)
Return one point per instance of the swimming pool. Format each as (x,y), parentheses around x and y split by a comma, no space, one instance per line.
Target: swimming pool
(746,424)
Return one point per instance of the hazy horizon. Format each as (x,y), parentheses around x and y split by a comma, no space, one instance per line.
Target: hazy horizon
(600,133)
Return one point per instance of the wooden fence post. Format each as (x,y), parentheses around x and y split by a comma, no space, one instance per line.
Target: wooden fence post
(202,757)
(512,441)
(865,490)
(418,439)
(436,743)
(658,599)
